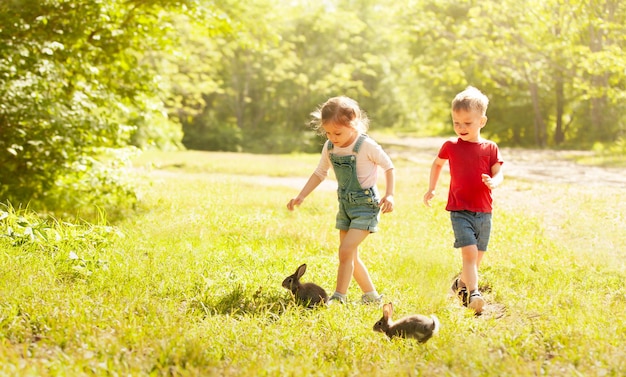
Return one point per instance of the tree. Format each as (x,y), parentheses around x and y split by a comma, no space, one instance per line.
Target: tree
(601,77)
(558,61)
(72,84)
(274,68)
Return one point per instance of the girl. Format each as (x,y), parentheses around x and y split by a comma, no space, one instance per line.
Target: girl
(355,159)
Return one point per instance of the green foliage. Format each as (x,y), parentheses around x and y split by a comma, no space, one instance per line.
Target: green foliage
(72,83)
(255,85)
(76,250)
(550,68)
(95,184)
(213,135)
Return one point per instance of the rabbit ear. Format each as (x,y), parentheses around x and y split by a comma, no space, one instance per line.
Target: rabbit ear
(387,311)
(300,271)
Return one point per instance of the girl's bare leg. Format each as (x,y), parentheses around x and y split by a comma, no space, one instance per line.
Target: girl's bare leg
(362,276)
(349,262)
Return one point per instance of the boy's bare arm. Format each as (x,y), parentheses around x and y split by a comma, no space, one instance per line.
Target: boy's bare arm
(435,171)
(496,176)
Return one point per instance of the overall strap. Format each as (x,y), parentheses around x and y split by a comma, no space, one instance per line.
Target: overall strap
(357,146)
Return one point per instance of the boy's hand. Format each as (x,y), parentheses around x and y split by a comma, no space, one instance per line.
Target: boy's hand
(488,181)
(428,196)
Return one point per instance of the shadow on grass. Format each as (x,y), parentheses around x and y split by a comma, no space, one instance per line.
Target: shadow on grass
(240,302)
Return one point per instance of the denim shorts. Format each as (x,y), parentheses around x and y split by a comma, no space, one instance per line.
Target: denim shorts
(358,210)
(471,228)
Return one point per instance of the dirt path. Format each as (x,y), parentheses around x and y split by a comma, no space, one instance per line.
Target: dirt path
(524,165)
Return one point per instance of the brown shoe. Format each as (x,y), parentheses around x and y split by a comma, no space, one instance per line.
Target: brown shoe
(460,291)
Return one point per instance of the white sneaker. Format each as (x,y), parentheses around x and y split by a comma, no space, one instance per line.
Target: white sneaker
(367,299)
(334,299)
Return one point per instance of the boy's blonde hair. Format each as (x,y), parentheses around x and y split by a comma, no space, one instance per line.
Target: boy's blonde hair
(342,111)
(471,99)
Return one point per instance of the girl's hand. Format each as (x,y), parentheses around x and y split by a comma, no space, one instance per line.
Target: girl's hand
(386,204)
(294,202)
(488,181)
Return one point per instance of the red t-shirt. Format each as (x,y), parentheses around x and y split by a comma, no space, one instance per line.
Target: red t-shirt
(467,162)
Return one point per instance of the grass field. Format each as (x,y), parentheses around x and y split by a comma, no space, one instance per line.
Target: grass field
(190,285)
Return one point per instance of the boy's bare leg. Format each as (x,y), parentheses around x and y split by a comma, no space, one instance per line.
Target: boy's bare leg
(471,259)
(469,273)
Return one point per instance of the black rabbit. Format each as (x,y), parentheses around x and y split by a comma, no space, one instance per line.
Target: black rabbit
(308,294)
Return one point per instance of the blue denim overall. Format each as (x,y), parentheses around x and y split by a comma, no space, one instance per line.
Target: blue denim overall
(358,207)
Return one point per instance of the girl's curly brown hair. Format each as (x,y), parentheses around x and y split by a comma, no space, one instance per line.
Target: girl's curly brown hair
(342,111)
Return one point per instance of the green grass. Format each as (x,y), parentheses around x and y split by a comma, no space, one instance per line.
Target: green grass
(190,285)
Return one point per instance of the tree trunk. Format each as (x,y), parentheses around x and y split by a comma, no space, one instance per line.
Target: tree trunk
(559,132)
(540,126)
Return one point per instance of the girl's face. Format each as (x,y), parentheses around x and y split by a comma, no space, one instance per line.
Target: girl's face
(339,135)
(467,124)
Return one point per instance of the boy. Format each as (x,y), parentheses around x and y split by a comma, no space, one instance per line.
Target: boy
(475,169)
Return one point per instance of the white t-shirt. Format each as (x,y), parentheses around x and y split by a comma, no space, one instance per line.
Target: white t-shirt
(368,159)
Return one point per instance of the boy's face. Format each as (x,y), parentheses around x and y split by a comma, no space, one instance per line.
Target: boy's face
(467,124)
